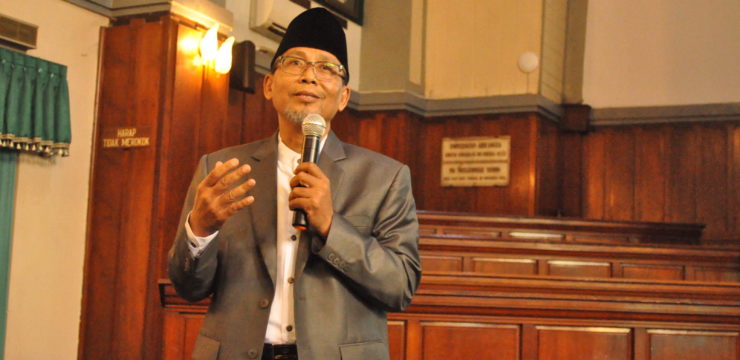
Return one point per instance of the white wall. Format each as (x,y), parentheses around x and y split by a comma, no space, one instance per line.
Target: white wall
(472,47)
(662,52)
(51,196)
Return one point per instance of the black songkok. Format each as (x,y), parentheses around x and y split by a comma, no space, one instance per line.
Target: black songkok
(316,28)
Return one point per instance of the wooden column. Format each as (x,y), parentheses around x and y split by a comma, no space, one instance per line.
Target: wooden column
(158,112)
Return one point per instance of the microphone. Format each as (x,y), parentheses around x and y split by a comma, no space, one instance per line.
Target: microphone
(313,127)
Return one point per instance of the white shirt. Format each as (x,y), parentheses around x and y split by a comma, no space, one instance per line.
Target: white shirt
(281,313)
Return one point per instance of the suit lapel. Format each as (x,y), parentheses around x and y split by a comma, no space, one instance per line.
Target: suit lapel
(264,208)
(331,154)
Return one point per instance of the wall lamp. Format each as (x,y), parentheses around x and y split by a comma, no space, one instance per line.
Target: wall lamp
(213,56)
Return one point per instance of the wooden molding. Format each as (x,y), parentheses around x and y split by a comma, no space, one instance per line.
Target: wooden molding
(556,229)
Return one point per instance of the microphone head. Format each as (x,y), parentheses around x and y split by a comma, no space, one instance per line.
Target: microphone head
(313,125)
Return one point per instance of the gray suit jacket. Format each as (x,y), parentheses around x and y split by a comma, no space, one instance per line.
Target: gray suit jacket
(368,264)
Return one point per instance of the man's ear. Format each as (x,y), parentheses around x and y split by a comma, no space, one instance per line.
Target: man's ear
(344,97)
(267,86)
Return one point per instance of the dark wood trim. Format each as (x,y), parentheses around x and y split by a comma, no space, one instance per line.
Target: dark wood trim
(455,224)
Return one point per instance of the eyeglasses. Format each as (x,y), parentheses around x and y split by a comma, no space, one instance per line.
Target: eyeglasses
(324,70)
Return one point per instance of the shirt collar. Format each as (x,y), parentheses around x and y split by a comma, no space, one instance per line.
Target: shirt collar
(288,157)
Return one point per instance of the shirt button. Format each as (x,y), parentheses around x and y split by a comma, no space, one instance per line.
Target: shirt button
(263,303)
(289,328)
(293,237)
(291,280)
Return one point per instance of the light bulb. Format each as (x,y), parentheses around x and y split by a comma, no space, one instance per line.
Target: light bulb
(528,62)
(223,59)
(209,44)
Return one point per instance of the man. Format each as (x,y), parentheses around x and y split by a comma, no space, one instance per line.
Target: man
(280,293)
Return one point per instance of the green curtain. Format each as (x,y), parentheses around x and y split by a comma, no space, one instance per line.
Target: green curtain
(8,159)
(34,117)
(34,105)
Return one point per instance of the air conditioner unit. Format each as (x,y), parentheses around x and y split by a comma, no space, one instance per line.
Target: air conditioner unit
(17,34)
(271,17)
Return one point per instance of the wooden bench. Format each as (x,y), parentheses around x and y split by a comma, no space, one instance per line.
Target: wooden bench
(547,288)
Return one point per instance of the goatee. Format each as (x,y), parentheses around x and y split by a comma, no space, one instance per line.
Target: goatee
(295,117)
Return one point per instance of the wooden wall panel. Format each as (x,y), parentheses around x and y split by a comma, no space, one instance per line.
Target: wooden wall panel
(579,268)
(237,109)
(733,205)
(442,263)
(370,131)
(213,107)
(693,345)
(619,189)
(180,330)
(548,186)
(397,339)
(501,266)
(571,176)
(391,133)
(403,145)
(520,196)
(427,165)
(650,167)
(179,145)
(712,181)
(676,173)
(449,197)
(715,274)
(594,175)
(682,175)
(260,118)
(452,340)
(193,322)
(584,343)
(657,272)
(173,346)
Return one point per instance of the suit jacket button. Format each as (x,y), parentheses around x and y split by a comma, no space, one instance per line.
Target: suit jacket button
(264,303)
(252,353)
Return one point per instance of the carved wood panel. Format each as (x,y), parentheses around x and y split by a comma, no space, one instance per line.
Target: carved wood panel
(469,340)
(583,343)
(693,345)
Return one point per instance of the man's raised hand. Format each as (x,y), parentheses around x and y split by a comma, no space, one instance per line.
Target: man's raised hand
(218,198)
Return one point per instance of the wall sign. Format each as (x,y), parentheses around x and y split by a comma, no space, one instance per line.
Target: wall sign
(476,161)
(127,137)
